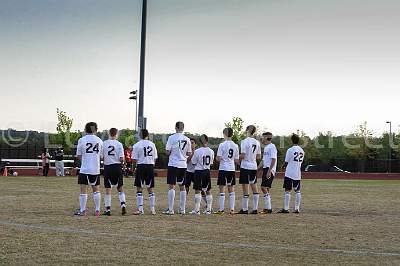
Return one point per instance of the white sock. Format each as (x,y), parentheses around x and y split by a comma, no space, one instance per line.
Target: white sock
(298,201)
(97,200)
(139,201)
(204,198)
(171,199)
(182,201)
(82,202)
(221,201)
(122,199)
(267,202)
(256,198)
(197,201)
(209,199)
(107,201)
(287,201)
(232,201)
(245,203)
(152,199)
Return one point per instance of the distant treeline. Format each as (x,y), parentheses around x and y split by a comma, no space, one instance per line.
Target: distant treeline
(357,152)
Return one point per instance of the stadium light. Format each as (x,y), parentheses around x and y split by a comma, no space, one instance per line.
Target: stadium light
(134,97)
(140,116)
(390,146)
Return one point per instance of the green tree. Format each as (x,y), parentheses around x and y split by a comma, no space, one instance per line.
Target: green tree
(237,125)
(64,137)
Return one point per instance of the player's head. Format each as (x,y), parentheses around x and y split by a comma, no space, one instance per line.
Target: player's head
(250,130)
(267,138)
(113,132)
(295,139)
(193,142)
(204,140)
(179,127)
(144,134)
(228,133)
(91,128)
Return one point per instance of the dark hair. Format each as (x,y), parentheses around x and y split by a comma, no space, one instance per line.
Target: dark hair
(193,139)
(251,129)
(179,125)
(113,132)
(295,139)
(91,127)
(228,132)
(144,133)
(267,134)
(203,139)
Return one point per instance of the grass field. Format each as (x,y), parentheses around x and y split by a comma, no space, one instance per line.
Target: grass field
(342,222)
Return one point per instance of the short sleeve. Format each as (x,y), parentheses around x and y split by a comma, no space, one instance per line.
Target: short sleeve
(274,153)
(79,148)
(155,152)
(258,148)
(121,151)
(219,151)
(194,158)
(242,147)
(237,152)
(287,158)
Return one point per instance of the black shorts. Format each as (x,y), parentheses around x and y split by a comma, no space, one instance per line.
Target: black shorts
(113,176)
(144,176)
(248,176)
(265,181)
(84,179)
(189,178)
(176,176)
(226,178)
(202,180)
(290,184)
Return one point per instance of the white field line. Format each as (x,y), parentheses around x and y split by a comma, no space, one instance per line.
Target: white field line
(200,242)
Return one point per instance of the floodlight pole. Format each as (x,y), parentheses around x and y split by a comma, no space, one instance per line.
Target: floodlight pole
(142,66)
(390,147)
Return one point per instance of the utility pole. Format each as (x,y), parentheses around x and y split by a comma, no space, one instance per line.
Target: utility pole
(390,146)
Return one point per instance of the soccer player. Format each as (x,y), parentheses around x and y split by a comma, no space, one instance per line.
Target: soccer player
(203,158)
(190,167)
(268,164)
(250,152)
(179,149)
(89,151)
(227,156)
(144,154)
(293,161)
(113,154)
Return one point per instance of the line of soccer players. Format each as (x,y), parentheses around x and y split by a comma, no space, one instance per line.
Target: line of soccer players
(186,166)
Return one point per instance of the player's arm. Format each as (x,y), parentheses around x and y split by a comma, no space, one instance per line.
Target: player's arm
(260,165)
(287,158)
(242,151)
(121,154)
(219,154)
(237,156)
(258,156)
(168,147)
(189,148)
(155,153)
(212,158)
(79,151)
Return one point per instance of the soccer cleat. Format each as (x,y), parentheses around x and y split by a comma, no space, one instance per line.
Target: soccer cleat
(181,212)
(254,212)
(219,212)
(79,213)
(123,211)
(242,212)
(296,211)
(97,213)
(168,212)
(153,212)
(231,212)
(107,213)
(208,213)
(265,211)
(138,212)
(283,211)
(195,212)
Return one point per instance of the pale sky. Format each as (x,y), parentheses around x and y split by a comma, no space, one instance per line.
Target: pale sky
(313,65)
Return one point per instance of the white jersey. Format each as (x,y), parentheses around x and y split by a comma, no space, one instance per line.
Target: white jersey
(90,148)
(251,148)
(270,152)
(190,167)
(144,152)
(229,152)
(203,158)
(294,158)
(179,146)
(113,151)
